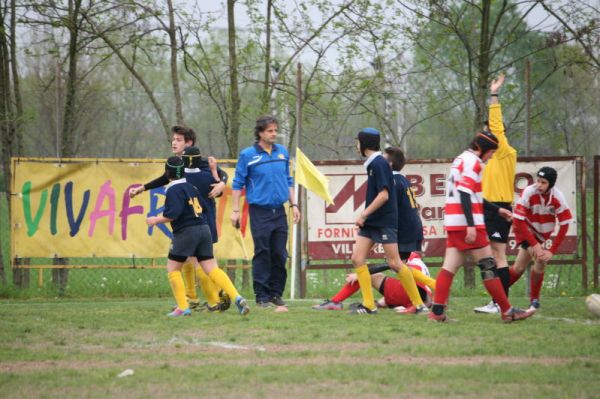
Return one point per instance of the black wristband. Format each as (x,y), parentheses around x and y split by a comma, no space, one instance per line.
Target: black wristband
(494,95)
(293,205)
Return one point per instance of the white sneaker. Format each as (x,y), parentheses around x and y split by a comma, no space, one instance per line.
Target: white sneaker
(489,308)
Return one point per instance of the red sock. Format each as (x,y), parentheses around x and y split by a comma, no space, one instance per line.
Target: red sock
(346,292)
(535,284)
(443,282)
(514,275)
(494,287)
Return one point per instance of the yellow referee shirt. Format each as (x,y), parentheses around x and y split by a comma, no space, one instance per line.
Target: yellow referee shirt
(499,174)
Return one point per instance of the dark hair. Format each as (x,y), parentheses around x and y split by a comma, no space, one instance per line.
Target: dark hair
(188,133)
(261,125)
(396,157)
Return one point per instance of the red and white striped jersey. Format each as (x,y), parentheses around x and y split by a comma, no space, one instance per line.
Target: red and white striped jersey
(541,211)
(465,175)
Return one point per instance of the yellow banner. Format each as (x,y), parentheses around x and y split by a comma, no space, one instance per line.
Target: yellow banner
(81,208)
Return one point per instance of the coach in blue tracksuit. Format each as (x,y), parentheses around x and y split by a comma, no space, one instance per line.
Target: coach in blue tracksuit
(264,170)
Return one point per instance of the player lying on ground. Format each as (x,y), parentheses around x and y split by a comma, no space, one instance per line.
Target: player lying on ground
(540,207)
(394,295)
(191,238)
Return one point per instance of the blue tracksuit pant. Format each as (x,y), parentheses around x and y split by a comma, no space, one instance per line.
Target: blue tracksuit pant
(269,233)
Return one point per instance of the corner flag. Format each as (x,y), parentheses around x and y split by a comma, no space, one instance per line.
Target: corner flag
(309,176)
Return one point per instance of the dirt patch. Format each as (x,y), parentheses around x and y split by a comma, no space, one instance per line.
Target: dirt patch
(318,360)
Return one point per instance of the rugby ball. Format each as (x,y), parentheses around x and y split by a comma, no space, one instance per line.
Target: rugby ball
(593,304)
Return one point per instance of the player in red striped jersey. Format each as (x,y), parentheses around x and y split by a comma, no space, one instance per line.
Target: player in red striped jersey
(541,205)
(466,233)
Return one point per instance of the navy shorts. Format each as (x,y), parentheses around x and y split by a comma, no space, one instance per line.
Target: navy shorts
(410,246)
(192,241)
(381,235)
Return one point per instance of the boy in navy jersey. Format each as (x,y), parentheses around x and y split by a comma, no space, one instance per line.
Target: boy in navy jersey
(191,237)
(410,227)
(184,137)
(378,223)
(204,175)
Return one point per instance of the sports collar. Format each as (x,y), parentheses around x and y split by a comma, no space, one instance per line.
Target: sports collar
(371,158)
(192,170)
(174,182)
(258,148)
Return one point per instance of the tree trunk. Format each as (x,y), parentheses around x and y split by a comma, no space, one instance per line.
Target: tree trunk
(265,95)
(18,120)
(483,64)
(6,112)
(234,132)
(174,75)
(6,120)
(69,116)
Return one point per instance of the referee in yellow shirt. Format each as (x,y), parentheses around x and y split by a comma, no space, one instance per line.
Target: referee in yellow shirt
(498,191)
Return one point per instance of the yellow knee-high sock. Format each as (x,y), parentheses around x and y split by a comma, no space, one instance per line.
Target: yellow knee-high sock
(189,278)
(364,280)
(220,278)
(178,288)
(208,287)
(421,277)
(408,282)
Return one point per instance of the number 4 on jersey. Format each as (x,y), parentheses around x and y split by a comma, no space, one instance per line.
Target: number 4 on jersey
(195,206)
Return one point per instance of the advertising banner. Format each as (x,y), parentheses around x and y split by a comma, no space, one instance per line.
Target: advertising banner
(331,229)
(81,208)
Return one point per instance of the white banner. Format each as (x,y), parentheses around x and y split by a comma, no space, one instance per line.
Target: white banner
(331,230)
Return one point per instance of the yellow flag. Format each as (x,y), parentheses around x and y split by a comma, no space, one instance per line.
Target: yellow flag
(309,176)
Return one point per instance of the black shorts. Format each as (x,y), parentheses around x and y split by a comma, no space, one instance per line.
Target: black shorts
(381,235)
(496,226)
(192,241)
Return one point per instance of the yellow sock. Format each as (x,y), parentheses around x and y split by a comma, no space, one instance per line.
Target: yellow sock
(364,280)
(421,277)
(178,288)
(209,289)
(408,282)
(220,278)
(189,278)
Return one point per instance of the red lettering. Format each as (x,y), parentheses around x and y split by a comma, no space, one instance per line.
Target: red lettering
(437,182)
(432,213)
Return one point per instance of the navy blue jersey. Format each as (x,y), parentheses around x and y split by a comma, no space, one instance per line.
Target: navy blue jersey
(182,204)
(202,180)
(410,228)
(379,176)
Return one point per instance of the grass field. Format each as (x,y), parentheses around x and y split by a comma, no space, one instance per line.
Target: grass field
(76,348)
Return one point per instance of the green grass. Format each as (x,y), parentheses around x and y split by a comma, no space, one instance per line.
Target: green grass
(76,348)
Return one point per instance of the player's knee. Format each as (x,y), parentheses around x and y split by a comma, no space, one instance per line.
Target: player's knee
(488,268)
(358,260)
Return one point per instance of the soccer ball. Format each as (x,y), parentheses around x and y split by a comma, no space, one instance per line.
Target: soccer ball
(593,304)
